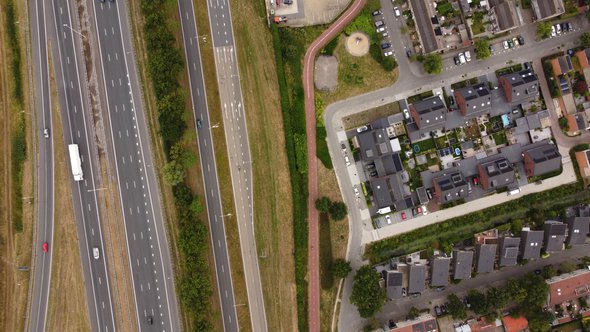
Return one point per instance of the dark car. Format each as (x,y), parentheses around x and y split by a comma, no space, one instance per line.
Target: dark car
(373,174)
(288,2)
(370,167)
(385,45)
(377,12)
(437,310)
(199,124)
(452,100)
(457,61)
(570,27)
(409,53)
(520,40)
(564,27)
(150,320)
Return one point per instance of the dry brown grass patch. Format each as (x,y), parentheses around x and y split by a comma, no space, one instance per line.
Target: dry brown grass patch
(362,118)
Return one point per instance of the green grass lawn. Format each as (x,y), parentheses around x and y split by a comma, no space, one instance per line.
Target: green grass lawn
(423,146)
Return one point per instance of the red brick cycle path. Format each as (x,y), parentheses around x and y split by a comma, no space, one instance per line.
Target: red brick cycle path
(310,118)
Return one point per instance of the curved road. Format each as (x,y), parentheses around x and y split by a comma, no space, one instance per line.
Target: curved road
(312,214)
(44,198)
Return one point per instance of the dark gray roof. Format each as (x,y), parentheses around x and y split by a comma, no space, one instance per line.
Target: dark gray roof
(389,164)
(546,158)
(499,171)
(440,271)
(432,112)
(486,255)
(564,85)
(530,244)
(462,264)
(547,8)
(373,144)
(453,185)
(387,190)
(578,228)
(424,25)
(478,99)
(533,121)
(394,284)
(509,250)
(417,280)
(524,85)
(422,196)
(555,233)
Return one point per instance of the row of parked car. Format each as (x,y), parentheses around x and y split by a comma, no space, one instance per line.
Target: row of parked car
(382,29)
(510,43)
(462,58)
(558,28)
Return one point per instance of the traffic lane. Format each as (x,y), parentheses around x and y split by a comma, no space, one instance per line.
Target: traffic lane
(220,22)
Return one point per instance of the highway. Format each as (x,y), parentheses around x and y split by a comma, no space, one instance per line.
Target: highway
(78,129)
(44,199)
(147,245)
(238,148)
(194,67)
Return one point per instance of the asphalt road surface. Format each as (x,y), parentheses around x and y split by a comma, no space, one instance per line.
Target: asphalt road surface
(44,199)
(236,135)
(147,245)
(215,214)
(78,130)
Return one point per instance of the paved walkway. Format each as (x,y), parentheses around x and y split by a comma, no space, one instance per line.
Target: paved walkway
(310,118)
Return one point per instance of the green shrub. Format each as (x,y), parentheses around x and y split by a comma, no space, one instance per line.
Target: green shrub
(322,151)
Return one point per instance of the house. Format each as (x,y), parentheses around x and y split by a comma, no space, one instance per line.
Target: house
(578,226)
(440,271)
(423,323)
(531,243)
(486,256)
(474,101)
(576,123)
(389,190)
(450,186)
(426,23)
(374,144)
(561,65)
(417,279)
(429,113)
(520,87)
(503,16)
(518,324)
(584,60)
(509,250)
(495,173)
(462,264)
(583,160)
(546,9)
(393,284)
(555,234)
(569,286)
(541,160)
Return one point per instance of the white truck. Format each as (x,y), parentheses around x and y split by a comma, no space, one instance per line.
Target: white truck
(76,162)
(384,210)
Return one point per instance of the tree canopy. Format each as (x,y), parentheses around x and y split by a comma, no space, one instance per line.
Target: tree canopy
(367,295)
(322,204)
(341,268)
(456,307)
(585,39)
(479,303)
(433,63)
(544,30)
(338,210)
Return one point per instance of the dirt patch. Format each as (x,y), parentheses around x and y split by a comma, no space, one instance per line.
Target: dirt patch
(338,239)
(357,75)
(67,308)
(357,44)
(326,73)
(362,118)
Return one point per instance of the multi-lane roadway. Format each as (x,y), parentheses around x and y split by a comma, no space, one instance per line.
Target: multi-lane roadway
(147,245)
(71,87)
(194,67)
(44,234)
(240,162)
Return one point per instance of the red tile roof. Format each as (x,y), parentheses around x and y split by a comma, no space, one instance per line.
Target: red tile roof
(515,324)
(569,286)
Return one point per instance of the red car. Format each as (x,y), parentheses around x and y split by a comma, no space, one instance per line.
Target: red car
(403,216)
(419,210)
(475,181)
(45,247)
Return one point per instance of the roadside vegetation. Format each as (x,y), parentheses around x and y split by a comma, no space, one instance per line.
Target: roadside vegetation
(432,63)
(165,64)
(445,234)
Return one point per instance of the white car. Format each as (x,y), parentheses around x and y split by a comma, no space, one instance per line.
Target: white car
(468,56)
(505,44)
(388,219)
(397,12)
(388,53)
(553,33)
(347,160)
(361,129)
(380,29)
(46,133)
(406,113)
(96,253)
(356,192)
(558,28)
(424,211)
(462,58)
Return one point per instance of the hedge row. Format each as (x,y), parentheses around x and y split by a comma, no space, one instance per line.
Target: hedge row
(18,136)
(288,49)
(165,63)
(461,228)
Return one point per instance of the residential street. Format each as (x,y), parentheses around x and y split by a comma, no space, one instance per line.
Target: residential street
(361,229)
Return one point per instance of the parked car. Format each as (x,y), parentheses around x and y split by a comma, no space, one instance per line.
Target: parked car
(468,56)
(515,41)
(356,192)
(406,113)
(385,45)
(475,181)
(343,146)
(505,44)
(370,167)
(404,292)
(388,219)
(403,216)
(388,53)
(437,310)
(424,210)
(452,100)
(409,53)
(347,160)
(379,23)
(384,34)
(570,27)
(457,61)
(462,58)
(419,210)
(373,174)
(520,40)
(380,29)
(361,129)
(377,12)
(553,31)
(396,12)
(510,43)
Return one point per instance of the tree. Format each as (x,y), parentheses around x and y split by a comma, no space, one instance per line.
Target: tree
(581,87)
(322,204)
(413,313)
(516,291)
(567,267)
(549,271)
(536,289)
(367,295)
(433,63)
(585,39)
(456,307)
(338,210)
(479,303)
(497,298)
(341,268)
(389,63)
(173,173)
(482,49)
(516,227)
(544,30)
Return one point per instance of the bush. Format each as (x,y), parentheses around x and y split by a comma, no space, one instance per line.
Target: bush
(433,63)
(367,295)
(338,210)
(322,204)
(341,268)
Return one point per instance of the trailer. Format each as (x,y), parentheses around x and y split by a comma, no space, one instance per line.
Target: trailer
(76,162)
